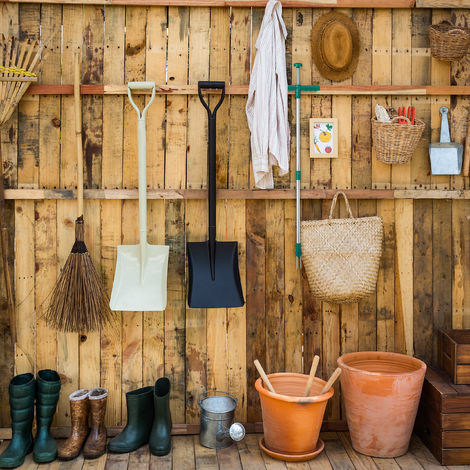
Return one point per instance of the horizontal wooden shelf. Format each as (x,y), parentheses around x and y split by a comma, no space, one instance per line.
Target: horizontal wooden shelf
(426,90)
(121,194)
(238,3)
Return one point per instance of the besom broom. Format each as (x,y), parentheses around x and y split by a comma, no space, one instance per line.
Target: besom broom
(79,302)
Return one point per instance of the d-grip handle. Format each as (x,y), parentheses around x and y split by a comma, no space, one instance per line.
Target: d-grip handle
(211,86)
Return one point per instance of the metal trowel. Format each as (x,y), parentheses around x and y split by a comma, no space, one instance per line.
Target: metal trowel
(446,156)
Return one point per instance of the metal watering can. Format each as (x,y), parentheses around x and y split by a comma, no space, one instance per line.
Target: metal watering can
(217,427)
(446,156)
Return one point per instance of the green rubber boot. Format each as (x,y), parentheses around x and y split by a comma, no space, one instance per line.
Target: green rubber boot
(139,422)
(160,438)
(22,391)
(48,391)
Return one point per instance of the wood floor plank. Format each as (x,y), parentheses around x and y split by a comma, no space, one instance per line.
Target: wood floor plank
(95,464)
(161,463)
(250,453)
(297,466)
(320,462)
(75,464)
(139,459)
(183,453)
(423,455)
(386,464)
(408,462)
(229,459)
(338,456)
(117,462)
(29,463)
(360,461)
(206,459)
(272,464)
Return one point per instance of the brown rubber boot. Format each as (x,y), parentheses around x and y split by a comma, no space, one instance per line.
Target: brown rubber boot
(95,445)
(79,406)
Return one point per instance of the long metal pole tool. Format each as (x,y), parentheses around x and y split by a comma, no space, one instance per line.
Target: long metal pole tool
(298,89)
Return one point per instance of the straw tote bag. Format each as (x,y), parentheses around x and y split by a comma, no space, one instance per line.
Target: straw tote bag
(341,256)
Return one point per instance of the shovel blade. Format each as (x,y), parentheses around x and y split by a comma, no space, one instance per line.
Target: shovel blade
(225,291)
(133,292)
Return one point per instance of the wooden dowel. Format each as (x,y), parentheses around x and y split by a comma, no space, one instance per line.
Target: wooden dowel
(264,376)
(313,371)
(331,381)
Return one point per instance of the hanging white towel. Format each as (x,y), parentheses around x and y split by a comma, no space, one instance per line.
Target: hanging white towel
(266,108)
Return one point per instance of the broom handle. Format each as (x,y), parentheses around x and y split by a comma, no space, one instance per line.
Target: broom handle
(78,131)
(4,247)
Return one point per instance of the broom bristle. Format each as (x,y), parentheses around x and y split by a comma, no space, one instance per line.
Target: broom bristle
(79,302)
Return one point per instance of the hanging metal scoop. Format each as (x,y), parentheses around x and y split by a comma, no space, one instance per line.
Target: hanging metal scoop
(446,156)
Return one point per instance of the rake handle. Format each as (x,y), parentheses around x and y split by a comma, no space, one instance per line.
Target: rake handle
(78,130)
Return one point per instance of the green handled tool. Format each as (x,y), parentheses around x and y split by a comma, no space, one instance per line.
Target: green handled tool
(298,88)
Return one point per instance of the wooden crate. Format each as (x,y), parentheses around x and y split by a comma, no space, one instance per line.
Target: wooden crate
(454,354)
(443,420)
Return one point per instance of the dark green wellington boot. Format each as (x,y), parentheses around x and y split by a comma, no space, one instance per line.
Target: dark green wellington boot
(22,392)
(160,438)
(139,422)
(47,396)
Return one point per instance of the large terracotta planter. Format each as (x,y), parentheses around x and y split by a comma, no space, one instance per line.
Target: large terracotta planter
(381,393)
(291,422)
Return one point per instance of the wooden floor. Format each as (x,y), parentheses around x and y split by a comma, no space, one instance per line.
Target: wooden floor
(187,454)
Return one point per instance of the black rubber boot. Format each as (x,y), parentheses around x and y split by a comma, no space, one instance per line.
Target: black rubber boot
(139,422)
(160,438)
(48,391)
(22,392)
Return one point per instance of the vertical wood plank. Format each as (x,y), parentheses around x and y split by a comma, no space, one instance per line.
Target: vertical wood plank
(67,343)
(255,299)
(111,211)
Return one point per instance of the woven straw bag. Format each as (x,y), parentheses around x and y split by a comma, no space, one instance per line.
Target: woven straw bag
(448,42)
(341,256)
(394,142)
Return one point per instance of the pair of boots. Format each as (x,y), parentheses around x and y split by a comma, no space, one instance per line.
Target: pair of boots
(148,420)
(84,404)
(24,389)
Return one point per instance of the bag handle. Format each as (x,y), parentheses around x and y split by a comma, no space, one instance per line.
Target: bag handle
(333,204)
(455,29)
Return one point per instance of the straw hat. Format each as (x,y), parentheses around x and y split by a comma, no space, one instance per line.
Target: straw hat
(335,46)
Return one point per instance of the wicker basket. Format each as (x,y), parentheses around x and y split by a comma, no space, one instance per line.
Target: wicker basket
(341,256)
(396,143)
(448,42)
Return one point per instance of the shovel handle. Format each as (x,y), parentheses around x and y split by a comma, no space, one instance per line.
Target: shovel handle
(331,381)
(263,375)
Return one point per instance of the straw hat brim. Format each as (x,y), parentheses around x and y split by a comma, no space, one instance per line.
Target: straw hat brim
(321,62)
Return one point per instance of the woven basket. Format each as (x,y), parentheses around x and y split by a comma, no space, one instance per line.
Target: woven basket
(448,42)
(396,143)
(341,256)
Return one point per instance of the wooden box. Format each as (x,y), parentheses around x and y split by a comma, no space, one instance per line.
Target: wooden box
(454,354)
(443,420)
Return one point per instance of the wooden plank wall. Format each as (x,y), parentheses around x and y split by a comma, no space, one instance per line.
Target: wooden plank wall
(424,280)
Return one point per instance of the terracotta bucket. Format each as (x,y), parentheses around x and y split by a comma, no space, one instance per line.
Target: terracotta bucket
(381,393)
(292,422)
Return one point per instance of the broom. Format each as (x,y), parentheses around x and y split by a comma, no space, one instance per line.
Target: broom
(18,63)
(79,302)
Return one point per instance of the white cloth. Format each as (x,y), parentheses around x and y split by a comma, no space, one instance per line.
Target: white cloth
(266,108)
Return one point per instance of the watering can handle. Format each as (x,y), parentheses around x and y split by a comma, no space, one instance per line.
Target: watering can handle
(142,153)
(445,133)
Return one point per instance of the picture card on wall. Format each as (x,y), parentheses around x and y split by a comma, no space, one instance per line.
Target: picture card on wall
(323,138)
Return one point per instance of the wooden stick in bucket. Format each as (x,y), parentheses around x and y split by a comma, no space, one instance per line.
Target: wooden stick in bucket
(331,381)
(313,371)
(264,376)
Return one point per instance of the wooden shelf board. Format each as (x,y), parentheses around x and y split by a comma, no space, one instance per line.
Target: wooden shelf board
(121,194)
(428,90)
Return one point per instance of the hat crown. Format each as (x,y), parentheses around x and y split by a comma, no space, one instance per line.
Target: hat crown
(336,45)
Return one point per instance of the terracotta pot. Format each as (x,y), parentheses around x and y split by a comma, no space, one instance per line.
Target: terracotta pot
(381,394)
(292,422)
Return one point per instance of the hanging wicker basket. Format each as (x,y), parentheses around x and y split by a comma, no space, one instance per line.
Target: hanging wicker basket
(448,42)
(342,256)
(394,142)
